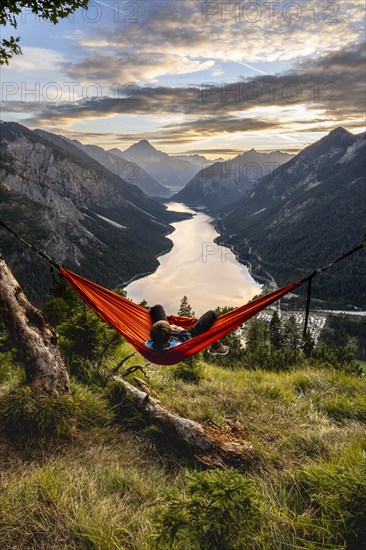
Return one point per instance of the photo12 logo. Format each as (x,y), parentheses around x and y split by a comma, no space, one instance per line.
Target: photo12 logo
(235,171)
(97,10)
(210,249)
(273,91)
(52,92)
(270,12)
(251,172)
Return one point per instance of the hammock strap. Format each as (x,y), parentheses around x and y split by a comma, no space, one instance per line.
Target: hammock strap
(31,246)
(349,253)
(315,272)
(307,312)
(309,279)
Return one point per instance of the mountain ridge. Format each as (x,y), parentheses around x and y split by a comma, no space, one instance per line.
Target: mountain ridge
(307,212)
(224,182)
(127,170)
(96,222)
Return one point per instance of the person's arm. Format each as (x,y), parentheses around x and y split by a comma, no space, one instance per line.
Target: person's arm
(182,334)
(175,328)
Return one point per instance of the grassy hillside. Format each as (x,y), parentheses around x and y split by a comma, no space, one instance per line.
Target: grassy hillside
(88,473)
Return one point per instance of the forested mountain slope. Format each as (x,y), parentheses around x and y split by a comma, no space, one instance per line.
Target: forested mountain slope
(306,213)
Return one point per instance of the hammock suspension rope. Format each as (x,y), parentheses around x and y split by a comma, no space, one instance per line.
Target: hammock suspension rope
(133,321)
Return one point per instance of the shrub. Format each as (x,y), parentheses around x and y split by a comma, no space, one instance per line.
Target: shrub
(337,358)
(220,510)
(56,311)
(25,413)
(85,335)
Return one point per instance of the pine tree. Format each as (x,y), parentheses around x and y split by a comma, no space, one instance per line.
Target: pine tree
(235,340)
(275,331)
(291,334)
(185,309)
(62,302)
(256,334)
(308,344)
(84,335)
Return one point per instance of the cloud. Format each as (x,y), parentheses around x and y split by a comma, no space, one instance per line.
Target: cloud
(188,132)
(346,59)
(213,151)
(32,61)
(330,86)
(107,68)
(133,80)
(174,37)
(197,130)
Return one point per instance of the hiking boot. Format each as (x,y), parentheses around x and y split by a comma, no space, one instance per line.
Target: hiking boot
(222,350)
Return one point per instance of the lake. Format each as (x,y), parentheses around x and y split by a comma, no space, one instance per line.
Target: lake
(208,274)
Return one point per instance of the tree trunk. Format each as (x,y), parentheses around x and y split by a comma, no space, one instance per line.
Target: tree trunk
(36,340)
(216,447)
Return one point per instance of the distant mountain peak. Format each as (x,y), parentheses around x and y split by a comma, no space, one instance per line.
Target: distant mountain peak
(143,144)
(167,170)
(339,131)
(142,147)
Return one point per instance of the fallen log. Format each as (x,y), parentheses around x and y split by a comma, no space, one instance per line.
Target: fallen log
(213,445)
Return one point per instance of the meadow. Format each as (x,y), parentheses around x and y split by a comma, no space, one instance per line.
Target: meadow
(87,470)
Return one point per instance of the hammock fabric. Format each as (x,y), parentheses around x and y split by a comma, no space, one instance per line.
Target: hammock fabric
(134,323)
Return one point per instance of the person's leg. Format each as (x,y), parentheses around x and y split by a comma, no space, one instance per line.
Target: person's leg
(157,313)
(203,323)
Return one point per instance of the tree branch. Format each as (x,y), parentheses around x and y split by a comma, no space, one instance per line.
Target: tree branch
(117,367)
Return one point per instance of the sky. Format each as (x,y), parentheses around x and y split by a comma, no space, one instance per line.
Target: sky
(215,78)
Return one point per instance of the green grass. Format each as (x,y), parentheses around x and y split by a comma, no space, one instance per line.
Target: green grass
(96,493)
(77,474)
(280,412)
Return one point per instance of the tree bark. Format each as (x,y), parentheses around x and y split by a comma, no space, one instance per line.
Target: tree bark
(216,447)
(36,340)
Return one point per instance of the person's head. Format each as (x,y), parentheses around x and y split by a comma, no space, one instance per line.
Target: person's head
(160,333)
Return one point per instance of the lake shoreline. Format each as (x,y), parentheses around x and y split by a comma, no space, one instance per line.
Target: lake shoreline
(176,217)
(220,240)
(185,271)
(257,273)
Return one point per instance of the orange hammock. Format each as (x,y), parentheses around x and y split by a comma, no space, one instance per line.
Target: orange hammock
(133,321)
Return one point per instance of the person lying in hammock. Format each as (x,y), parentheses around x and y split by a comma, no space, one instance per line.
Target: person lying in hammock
(164,336)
